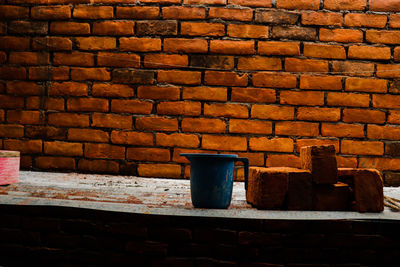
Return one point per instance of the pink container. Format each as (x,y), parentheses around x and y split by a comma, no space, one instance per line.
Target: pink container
(9,167)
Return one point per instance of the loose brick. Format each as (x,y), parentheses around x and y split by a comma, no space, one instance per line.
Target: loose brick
(52,43)
(248,31)
(345,4)
(306,65)
(253,95)
(202,29)
(63,148)
(28,27)
(232,47)
(104,151)
(353,68)
(132,138)
(112,90)
(24,117)
(96,43)
(225,78)
(250,126)
(148,154)
(382,5)
(383,37)
(74,59)
(318,114)
(11,131)
(296,128)
(14,43)
(51,12)
(28,58)
(98,166)
(67,27)
(322,18)
(363,116)
(271,144)
(23,88)
(388,71)
(139,44)
(259,63)
(205,93)
(317,142)
(332,197)
(274,80)
(131,106)
(156,124)
(158,92)
(183,13)
(112,121)
(293,33)
(156,27)
(324,51)
(68,119)
(93,12)
(386,101)
(87,104)
(394,20)
(114,28)
(212,62)
(177,140)
(96,74)
(342,130)
(276,17)
(89,135)
(24,146)
(252,3)
(302,98)
(272,112)
(347,99)
(361,147)
(118,60)
(133,76)
(154,61)
(340,35)
(14,12)
(137,12)
(283,160)
(203,125)
(232,143)
(316,82)
(299,4)
(237,14)
(366,85)
(55,163)
(365,20)
(179,77)
(299,196)
(279,48)
(180,45)
(226,110)
(179,108)
(159,170)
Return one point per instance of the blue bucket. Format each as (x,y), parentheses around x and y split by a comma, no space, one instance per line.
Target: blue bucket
(211,179)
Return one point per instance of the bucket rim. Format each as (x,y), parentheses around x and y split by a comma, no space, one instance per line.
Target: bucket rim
(208,155)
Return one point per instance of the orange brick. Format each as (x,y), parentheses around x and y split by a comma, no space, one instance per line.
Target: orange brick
(347,100)
(342,130)
(324,51)
(204,2)
(318,114)
(346,162)
(14,12)
(253,95)
(93,12)
(283,160)
(104,151)
(24,146)
(10,130)
(202,29)
(271,112)
(379,163)
(74,59)
(23,88)
(63,148)
(179,108)
(98,166)
(177,140)
(96,74)
(148,154)
(271,144)
(158,92)
(307,98)
(363,116)
(306,65)
(296,128)
(137,12)
(394,117)
(361,147)
(51,12)
(24,117)
(365,20)
(366,85)
(279,48)
(89,135)
(382,37)
(131,106)
(384,5)
(315,82)
(203,125)
(383,132)
(218,142)
(28,27)
(250,126)
(68,119)
(118,60)
(205,93)
(179,77)
(159,170)
(155,61)
(276,17)
(39,73)
(156,124)
(14,43)
(67,27)
(114,28)
(316,142)
(232,47)
(112,90)
(60,73)
(139,44)
(133,76)
(87,104)
(55,163)
(180,159)
(340,35)
(181,45)
(226,110)
(132,138)
(252,3)
(388,71)
(184,13)
(50,103)
(156,27)
(322,18)
(386,101)
(96,43)
(353,68)
(345,4)
(220,62)
(396,53)
(239,14)
(259,63)
(8,101)
(394,20)
(299,4)
(112,121)
(294,33)
(248,31)
(225,78)
(28,58)
(274,80)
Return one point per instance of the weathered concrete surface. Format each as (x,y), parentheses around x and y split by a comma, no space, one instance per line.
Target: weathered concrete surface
(149,196)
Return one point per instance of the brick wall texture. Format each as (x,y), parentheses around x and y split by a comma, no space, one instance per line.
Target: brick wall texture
(124,86)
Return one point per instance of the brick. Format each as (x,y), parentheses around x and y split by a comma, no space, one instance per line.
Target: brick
(393,117)
(226,110)
(213,62)
(133,76)
(74,59)
(55,163)
(279,48)
(361,147)
(98,166)
(253,95)
(112,90)
(131,106)
(382,37)
(316,82)
(318,114)
(118,60)
(366,85)
(394,21)
(387,71)
(232,143)
(202,29)
(148,154)
(14,43)
(346,162)
(23,88)
(232,47)
(93,12)
(183,13)
(24,146)
(28,27)
(379,163)
(353,68)
(89,135)
(340,35)
(96,43)
(306,65)
(60,73)
(324,51)
(68,27)
(236,14)
(251,3)
(391,179)
(10,130)
(347,99)
(283,160)
(321,162)
(299,196)
(317,142)
(159,170)
(63,148)
(156,124)
(276,17)
(96,74)
(255,159)
(299,4)
(112,121)
(114,28)
(51,12)
(322,18)
(156,27)
(365,20)
(68,119)
(296,128)
(8,101)
(155,61)
(139,44)
(205,93)
(363,116)
(342,130)
(203,125)
(24,117)
(259,63)
(105,151)
(204,2)
(250,126)
(179,77)
(225,78)
(87,104)
(52,43)
(177,140)
(179,108)
(137,12)
(386,101)
(248,31)
(132,138)
(345,4)
(392,149)
(158,92)
(332,197)
(44,132)
(28,58)
(181,45)
(272,112)
(3,57)
(274,80)
(39,73)
(396,54)
(271,144)
(381,5)
(14,12)
(302,98)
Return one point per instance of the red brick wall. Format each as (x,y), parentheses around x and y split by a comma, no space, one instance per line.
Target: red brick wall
(124,87)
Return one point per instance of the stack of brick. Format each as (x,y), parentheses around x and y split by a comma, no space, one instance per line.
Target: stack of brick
(319,185)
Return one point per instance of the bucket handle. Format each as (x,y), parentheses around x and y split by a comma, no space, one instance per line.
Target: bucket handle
(246,170)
